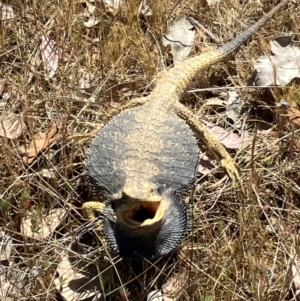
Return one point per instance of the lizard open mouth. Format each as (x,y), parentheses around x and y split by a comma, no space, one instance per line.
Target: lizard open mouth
(144,213)
(147,229)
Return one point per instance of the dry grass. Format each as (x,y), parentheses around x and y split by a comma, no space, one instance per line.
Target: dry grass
(243,238)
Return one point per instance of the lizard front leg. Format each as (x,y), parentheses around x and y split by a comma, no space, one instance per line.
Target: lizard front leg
(209,139)
(91,211)
(91,208)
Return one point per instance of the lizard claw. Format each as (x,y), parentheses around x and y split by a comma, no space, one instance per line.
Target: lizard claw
(230,167)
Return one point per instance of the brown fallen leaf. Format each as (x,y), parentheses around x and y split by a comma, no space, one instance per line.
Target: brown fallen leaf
(173,287)
(11,125)
(2,84)
(294,114)
(40,142)
(228,139)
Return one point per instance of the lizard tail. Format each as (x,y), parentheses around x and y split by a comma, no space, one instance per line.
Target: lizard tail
(175,80)
(247,33)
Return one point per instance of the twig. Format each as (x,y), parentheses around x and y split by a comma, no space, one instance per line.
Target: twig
(205,30)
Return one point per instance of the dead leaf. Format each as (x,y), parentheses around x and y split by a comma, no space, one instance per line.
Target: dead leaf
(38,226)
(72,284)
(180,36)
(89,8)
(173,287)
(49,55)
(112,4)
(40,142)
(294,114)
(5,246)
(296,276)
(92,21)
(6,289)
(11,125)
(228,139)
(16,281)
(2,84)
(47,173)
(234,107)
(215,101)
(5,97)
(291,108)
(7,12)
(213,2)
(155,296)
(233,103)
(144,9)
(84,83)
(280,67)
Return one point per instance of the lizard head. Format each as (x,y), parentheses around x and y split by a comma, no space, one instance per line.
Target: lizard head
(140,190)
(146,228)
(140,205)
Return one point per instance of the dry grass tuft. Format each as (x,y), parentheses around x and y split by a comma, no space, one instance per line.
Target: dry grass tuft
(243,238)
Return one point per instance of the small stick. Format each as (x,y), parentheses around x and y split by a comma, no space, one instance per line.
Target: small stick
(205,30)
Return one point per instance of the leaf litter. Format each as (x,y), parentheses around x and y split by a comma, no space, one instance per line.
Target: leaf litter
(92,21)
(2,84)
(112,5)
(294,114)
(213,2)
(62,279)
(229,139)
(296,276)
(180,36)
(144,9)
(155,296)
(170,290)
(74,283)
(5,246)
(49,55)
(11,125)
(7,12)
(39,143)
(174,286)
(37,225)
(234,106)
(280,67)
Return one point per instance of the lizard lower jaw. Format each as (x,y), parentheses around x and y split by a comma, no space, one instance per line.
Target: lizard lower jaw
(144,213)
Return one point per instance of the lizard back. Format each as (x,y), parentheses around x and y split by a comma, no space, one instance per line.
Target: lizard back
(142,145)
